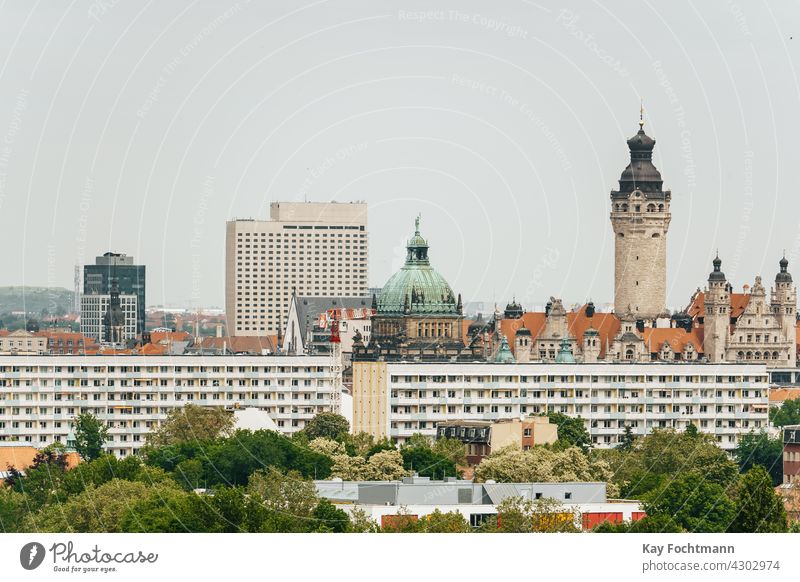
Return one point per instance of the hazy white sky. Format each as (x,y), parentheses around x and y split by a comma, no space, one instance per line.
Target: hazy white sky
(140,127)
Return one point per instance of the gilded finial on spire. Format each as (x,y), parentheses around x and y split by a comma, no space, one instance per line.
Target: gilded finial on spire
(641,115)
(416,223)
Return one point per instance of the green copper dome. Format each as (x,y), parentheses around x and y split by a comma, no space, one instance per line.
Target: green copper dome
(417,289)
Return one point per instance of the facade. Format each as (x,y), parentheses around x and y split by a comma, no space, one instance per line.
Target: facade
(129,277)
(791,454)
(22,342)
(95,307)
(398,399)
(417,315)
(583,503)
(308,248)
(640,218)
(483,437)
(40,395)
(308,325)
(749,326)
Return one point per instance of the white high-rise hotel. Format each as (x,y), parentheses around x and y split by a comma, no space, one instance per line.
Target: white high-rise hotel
(313,248)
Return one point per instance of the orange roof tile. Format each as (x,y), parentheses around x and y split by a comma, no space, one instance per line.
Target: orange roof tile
(156,337)
(676,337)
(21,457)
(697,307)
(606,324)
(152,349)
(780,395)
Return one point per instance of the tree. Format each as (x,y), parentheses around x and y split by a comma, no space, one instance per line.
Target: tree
(759,449)
(386,466)
(96,509)
(544,465)
(382,466)
(758,508)
(192,423)
(420,457)
(664,454)
(330,518)
(696,504)
(691,430)
(450,522)
(787,413)
(231,460)
(90,436)
(452,449)
(648,524)
(326,446)
(12,510)
(287,494)
(627,439)
(327,424)
(571,431)
(41,481)
(518,515)
(360,444)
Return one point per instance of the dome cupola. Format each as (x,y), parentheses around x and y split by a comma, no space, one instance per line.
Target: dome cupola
(417,288)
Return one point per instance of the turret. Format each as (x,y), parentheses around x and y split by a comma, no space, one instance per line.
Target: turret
(784,305)
(717,316)
(640,218)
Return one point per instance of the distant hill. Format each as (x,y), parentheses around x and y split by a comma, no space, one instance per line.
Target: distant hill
(56,300)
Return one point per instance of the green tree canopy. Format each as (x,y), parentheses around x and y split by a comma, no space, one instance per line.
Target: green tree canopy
(758,508)
(192,423)
(90,436)
(759,449)
(695,504)
(328,425)
(571,431)
(786,413)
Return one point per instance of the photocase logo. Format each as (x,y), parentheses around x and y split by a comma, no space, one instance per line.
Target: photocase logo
(31,555)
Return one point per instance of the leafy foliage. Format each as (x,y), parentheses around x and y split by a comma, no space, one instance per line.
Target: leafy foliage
(571,431)
(786,413)
(758,508)
(694,503)
(327,425)
(192,423)
(758,449)
(90,436)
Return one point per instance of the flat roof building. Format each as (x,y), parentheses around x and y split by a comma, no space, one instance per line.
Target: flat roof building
(309,248)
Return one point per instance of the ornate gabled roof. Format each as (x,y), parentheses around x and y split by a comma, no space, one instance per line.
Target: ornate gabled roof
(417,288)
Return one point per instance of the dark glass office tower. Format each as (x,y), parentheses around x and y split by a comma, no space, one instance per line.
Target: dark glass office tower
(130,279)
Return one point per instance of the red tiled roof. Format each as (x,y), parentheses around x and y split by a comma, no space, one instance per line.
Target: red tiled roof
(676,337)
(697,307)
(606,324)
(156,337)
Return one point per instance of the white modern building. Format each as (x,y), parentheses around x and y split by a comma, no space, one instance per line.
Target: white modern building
(583,503)
(40,395)
(310,248)
(398,399)
(93,309)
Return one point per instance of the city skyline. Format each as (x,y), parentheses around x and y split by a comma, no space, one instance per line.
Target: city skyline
(508,142)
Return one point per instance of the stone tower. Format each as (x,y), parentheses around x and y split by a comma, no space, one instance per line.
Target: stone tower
(784,305)
(640,218)
(717,316)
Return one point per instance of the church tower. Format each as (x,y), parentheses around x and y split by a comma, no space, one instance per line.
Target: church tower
(717,316)
(640,218)
(784,305)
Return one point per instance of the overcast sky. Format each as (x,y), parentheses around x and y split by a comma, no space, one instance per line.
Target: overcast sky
(140,127)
